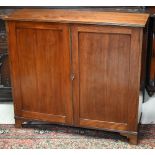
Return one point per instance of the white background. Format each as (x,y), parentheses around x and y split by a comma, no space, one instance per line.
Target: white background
(77,2)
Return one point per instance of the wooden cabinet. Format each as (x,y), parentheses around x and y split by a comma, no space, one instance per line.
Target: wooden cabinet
(104,69)
(40,59)
(77,68)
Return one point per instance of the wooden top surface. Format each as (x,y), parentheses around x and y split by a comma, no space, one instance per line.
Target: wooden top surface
(80,16)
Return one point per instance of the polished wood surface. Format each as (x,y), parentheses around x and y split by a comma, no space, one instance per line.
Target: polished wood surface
(41,60)
(106,76)
(80,16)
(77,74)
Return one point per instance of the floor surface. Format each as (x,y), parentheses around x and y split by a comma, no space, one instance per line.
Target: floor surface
(63,137)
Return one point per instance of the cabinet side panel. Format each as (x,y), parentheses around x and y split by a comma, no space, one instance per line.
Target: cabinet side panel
(134,87)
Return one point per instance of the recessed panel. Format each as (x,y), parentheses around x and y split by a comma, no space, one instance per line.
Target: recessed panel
(44,59)
(104,76)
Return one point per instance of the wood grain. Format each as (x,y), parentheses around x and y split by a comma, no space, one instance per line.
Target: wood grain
(77,74)
(103,63)
(103,125)
(134,85)
(14,68)
(43,55)
(80,16)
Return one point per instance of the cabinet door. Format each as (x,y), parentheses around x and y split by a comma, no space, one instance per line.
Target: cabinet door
(40,64)
(106,66)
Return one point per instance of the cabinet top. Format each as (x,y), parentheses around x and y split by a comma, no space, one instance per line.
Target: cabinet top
(80,16)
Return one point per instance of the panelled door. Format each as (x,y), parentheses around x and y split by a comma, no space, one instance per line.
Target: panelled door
(40,61)
(106,76)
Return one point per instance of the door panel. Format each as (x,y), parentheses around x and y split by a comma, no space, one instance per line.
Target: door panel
(101,64)
(100,79)
(44,68)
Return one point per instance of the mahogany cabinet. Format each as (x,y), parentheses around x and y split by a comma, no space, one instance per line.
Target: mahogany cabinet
(40,59)
(77,68)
